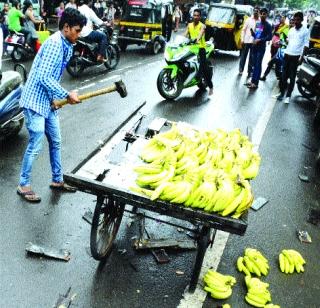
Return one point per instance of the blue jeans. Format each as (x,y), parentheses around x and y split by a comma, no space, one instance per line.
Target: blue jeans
(38,126)
(101,39)
(257,57)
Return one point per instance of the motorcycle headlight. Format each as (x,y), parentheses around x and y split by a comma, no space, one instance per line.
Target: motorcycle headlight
(186,65)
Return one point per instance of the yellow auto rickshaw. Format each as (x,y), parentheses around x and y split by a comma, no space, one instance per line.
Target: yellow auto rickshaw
(315,34)
(224,24)
(141,25)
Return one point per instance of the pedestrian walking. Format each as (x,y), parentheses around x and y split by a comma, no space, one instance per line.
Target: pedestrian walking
(298,42)
(247,40)
(281,28)
(177,15)
(41,88)
(262,34)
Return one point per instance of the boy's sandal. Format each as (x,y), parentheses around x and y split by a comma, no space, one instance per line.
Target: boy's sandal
(29,196)
(63,187)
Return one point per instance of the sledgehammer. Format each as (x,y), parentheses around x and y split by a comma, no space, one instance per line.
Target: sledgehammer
(118,86)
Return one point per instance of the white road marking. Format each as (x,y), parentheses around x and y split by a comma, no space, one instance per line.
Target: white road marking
(213,255)
(110,78)
(87,86)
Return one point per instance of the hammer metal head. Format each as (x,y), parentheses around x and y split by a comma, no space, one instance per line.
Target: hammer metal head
(121,88)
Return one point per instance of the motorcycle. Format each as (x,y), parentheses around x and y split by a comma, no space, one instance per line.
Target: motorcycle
(308,80)
(11,115)
(183,66)
(85,53)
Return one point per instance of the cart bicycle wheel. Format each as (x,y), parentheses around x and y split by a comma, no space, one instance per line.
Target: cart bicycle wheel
(205,237)
(105,224)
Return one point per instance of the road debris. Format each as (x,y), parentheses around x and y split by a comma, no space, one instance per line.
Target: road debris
(304,178)
(179,273)
(304,236)
(64,301)
(160,255)
(259,203)
(60,254)
(164,243)
(88,216)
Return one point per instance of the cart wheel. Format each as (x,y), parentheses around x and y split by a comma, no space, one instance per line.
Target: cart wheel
(105,224)
(203,242)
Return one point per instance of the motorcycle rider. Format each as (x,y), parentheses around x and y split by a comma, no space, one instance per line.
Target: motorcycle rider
(88,32)
(196,31)
(14,16)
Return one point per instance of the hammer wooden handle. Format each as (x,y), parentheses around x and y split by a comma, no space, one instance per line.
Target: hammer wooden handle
(60,103)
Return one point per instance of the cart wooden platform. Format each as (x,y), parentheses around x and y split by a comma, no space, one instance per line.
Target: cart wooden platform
(110,183)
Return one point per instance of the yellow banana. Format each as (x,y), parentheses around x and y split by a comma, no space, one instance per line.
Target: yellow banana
(257,299)
(253,303)
(219,295)
(240,264)
(282,262)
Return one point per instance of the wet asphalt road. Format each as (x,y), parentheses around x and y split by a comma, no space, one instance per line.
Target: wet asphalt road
(130,279)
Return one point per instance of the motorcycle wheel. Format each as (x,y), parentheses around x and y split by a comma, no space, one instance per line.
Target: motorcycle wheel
(17,54)
(75,67)
(123,46)
(169,88)
(113,57)
(305,92)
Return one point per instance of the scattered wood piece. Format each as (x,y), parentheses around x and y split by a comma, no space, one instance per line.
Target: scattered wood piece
(160,255)
(304,178)
(60,254)
(314,217)
(304,236)
(88,216)
(164,243)
(64,301)
(309,147)
(179,273)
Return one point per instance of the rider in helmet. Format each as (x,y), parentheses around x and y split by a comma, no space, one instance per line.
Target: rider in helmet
(88,32)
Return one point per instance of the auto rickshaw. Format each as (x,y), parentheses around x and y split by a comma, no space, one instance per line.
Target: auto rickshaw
(224,23)
(141,24)
(315,34)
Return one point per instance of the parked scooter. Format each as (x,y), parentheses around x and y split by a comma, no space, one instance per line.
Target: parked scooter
(308,81)
(11,115)
(85,53)
(183,67)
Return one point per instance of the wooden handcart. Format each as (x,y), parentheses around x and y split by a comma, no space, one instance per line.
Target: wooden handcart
(110,183)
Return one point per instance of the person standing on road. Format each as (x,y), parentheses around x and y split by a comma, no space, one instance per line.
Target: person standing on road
(41,88)
(262,34)
(72,4)
(177,15)
(247,40)
(196,31)
(298,42)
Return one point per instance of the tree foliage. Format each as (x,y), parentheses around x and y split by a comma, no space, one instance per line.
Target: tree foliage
(291,4)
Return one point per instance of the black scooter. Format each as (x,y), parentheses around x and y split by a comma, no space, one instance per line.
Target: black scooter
(11,115)
(309,75)
(85,53)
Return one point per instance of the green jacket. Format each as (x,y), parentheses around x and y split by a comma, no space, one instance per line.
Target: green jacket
(14,16)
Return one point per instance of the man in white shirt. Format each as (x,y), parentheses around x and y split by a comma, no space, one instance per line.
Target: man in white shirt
(247,40)
(298,42)
(88,32)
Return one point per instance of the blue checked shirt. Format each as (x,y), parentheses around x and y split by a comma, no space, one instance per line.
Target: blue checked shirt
(42,86)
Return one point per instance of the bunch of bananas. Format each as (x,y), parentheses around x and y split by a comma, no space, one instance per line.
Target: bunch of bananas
(291,260)
(218,285)
(202,169)
(253,262)
(258,294)
(271,306)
